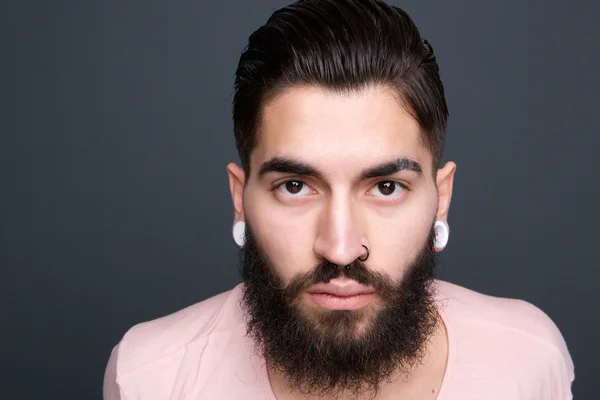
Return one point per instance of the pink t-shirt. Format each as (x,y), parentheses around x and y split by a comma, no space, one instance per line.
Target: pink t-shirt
(498,349)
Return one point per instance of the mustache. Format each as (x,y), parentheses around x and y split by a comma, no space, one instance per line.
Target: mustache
(326,271)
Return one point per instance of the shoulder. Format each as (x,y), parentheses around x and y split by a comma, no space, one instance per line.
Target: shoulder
(514,314)
(165,337)
(518,330)
(520,317)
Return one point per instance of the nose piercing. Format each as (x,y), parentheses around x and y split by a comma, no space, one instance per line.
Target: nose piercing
(365,257)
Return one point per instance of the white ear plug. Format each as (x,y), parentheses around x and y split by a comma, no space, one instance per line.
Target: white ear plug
(442,232)
(239,233)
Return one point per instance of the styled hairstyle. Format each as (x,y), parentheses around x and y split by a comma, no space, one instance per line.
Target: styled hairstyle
(343,46)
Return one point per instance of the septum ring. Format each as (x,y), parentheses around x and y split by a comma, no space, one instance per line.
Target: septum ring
(367,256)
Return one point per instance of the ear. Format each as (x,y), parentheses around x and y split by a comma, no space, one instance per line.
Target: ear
(445,182)
(236,186)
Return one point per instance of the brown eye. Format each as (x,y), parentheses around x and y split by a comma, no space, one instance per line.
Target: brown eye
(386,188)
(294,187)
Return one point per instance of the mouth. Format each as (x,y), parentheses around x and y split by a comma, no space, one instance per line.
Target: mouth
(341,294)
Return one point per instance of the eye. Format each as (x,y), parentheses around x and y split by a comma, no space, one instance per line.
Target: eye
(293,188)
(388,189)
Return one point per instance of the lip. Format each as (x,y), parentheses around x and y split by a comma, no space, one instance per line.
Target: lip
(333,302)
(342,288)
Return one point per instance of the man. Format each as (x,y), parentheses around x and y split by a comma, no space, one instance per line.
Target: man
(340,207)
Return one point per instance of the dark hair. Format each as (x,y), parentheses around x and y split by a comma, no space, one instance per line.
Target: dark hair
(339,45)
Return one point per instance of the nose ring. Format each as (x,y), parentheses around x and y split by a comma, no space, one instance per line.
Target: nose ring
(365,257)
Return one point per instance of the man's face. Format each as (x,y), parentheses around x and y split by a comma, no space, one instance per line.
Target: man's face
(330,175)
(299,219)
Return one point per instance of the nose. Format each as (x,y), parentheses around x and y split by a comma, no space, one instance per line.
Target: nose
(340,239)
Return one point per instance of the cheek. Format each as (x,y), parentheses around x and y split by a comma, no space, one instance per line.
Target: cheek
(399,238)
(285,237)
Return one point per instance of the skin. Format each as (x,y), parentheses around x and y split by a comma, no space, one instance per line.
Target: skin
(331,215)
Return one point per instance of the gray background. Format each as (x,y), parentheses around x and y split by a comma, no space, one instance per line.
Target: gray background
(116,129)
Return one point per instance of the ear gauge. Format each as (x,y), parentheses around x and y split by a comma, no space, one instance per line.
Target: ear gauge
(442,233)
(239,233)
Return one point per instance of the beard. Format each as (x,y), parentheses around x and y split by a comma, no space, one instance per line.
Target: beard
(334,352)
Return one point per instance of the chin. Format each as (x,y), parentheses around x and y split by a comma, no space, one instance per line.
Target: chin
(341,324)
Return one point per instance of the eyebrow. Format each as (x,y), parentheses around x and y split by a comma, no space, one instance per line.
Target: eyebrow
(291,166)
(391,167)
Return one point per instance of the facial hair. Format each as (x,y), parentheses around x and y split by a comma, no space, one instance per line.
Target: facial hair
(324,352)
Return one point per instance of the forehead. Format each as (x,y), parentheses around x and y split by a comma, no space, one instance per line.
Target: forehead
(336,132)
